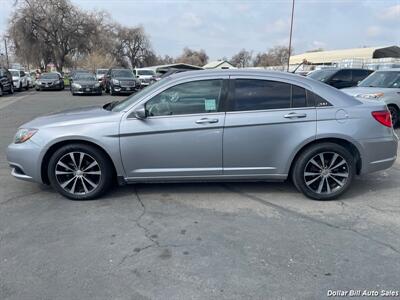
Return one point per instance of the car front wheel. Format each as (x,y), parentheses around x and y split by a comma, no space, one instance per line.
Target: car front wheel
(324,171)
(80,172)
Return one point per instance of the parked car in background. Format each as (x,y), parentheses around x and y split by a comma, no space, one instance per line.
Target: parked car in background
(85,83)
(381,86)
(211,126)
(118,81)
(76,72)
(20,80)
(31,82)
(145,76)
(6,81)
(50,81)
(100,74)
(340,78)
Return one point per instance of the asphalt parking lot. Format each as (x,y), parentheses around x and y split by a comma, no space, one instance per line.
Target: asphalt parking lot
(190,241)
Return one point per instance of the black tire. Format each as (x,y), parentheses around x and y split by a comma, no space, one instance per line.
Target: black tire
(27,87)
(328,151)
(104,166)
(11,89)
(1,91)
(394,112)
(20,87)
(112,93)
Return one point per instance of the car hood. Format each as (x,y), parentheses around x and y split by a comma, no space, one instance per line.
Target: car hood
(86,82)
(124,78)
(15,78)
(86,115)
(46,80)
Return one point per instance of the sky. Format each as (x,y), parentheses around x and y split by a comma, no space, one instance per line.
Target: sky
(224,27)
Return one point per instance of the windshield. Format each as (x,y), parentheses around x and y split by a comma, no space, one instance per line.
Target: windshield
(85,77)
(122,73)
(15,73)
(49,76)
(145,72)
(382,79)
(321,75)
(139,95)
(101,71)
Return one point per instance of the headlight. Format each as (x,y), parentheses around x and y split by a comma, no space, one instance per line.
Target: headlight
(76,85)
(115,81)
(97,85)
(24,134)
(371,96)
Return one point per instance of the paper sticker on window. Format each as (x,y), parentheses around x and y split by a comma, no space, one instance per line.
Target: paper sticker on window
(210,104)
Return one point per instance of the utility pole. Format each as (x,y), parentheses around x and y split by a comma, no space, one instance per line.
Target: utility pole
(5,45)
(290,36)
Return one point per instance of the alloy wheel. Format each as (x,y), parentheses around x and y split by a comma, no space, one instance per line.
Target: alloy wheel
(78,173)
(326,173)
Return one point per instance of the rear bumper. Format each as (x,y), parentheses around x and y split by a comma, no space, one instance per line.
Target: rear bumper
(379,154)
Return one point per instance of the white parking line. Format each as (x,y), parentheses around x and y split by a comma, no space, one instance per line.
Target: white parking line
(4,102)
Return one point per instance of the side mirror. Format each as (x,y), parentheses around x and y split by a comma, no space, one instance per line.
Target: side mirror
(140,112)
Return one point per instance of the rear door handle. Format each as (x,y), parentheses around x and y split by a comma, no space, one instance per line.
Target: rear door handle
(206,121)
(294,115)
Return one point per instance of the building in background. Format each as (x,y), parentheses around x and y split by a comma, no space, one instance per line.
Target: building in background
(369,58)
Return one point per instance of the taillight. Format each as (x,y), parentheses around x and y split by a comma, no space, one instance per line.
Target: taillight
(383,117)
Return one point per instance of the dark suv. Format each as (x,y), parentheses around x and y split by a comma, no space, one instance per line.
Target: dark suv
(118,81)
(340,78)
(6,82)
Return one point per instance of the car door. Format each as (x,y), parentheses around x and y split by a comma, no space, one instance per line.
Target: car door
(266,121)
(181,137)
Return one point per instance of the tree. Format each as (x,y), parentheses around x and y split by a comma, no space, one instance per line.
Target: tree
(193,57)
(132,46)
(276,56)
(53,30)
(242,59)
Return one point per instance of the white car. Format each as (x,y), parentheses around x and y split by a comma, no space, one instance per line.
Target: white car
(20,80)
(383,86)
(145,76)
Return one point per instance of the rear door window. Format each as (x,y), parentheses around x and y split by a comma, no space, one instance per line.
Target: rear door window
(256,94)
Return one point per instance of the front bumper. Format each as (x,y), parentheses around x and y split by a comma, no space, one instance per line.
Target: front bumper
(24,159)
(124,89)
(90,90)
(49,87)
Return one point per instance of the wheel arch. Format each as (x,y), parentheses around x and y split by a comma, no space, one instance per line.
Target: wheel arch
(53,148)
(340,141)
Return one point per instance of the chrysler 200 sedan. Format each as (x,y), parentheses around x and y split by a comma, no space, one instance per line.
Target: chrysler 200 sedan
(230,125)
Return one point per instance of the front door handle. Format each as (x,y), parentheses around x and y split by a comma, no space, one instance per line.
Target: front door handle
(206,121)
(294,115)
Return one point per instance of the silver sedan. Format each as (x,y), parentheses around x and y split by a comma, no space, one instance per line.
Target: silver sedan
(230,125)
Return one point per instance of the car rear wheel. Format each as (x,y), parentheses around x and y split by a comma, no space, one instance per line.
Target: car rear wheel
(394,112)
(80,172)
(324,171)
